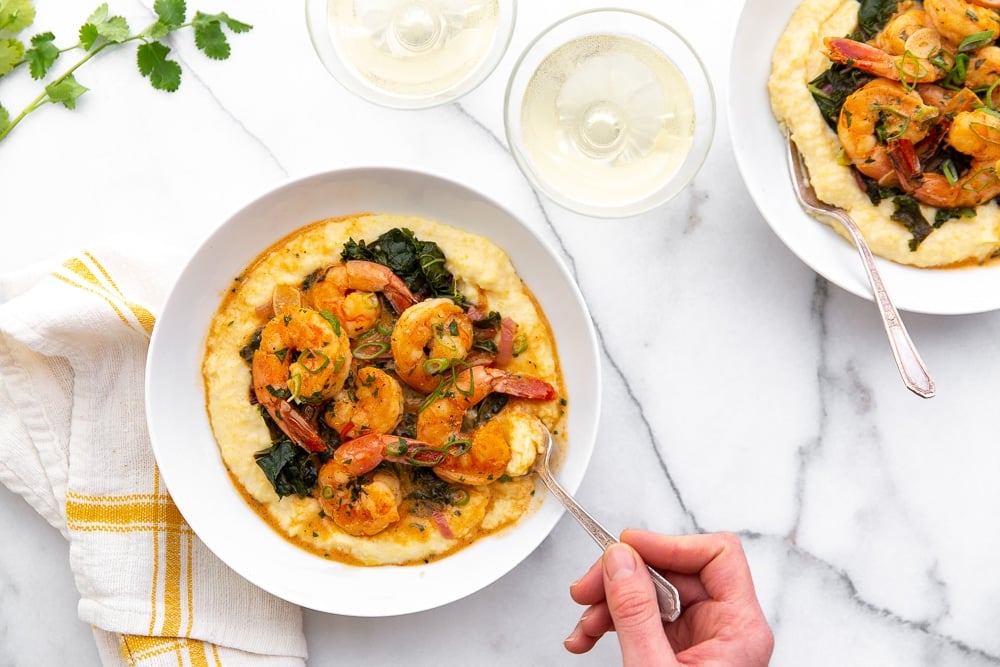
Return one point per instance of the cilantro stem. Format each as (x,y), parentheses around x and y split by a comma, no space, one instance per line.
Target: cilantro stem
(43,98)
(103,30)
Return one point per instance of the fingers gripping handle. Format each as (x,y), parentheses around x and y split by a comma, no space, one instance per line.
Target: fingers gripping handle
(667,597)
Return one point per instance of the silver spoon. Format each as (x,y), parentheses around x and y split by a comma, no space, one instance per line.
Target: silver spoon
(911,367)
(666,595)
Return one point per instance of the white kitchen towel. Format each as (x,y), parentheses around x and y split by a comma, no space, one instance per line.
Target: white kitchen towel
(74,444)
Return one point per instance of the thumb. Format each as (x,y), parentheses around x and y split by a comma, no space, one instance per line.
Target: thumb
(632,603)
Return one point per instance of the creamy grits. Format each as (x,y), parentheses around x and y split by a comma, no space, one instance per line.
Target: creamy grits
(437,513)
(799,57)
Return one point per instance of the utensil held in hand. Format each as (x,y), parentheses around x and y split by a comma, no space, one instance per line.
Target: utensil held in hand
(666,595)
(911,367)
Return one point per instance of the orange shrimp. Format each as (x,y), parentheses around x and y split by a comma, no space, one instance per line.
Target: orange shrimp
(427,339)
(304,357)
(373,404)
(974,133)
(348,290)
(909,67)
(489,452)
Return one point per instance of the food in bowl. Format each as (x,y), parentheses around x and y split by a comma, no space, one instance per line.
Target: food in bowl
(379,387)
(894,108)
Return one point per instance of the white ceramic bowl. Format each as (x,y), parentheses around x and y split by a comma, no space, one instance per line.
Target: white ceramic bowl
(760,155)
(189,458)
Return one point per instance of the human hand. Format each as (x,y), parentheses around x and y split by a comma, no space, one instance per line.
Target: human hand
(721,622)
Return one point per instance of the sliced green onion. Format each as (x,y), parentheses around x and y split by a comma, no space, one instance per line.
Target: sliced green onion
(975,41)
(412,459)
(397,448)
(987,133)
(315,353)
(370,350)
(436,365)
(328,492)
(295,386)
(520,344)
(456,446)
(334,322)
(948,169)
(460,497)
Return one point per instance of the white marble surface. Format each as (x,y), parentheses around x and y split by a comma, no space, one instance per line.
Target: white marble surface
(742,392)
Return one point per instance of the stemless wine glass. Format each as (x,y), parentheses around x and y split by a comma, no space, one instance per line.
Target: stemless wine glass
(609,113)
(410,54)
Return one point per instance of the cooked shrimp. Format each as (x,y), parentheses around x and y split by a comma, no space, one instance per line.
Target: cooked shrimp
(360,505)
(348,290)
(900,28)
(984,67)
(908,67)
(974,133)
(373,404)
(880,111)
(427,339)
(957,19)
(440,423)
(303,357)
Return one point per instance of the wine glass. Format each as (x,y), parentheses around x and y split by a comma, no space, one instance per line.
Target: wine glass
(410,54)
(609,113)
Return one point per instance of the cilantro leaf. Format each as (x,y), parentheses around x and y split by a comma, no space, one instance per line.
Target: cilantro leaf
(170,13)
(208,36)
(65,91)
(88,35)
(115,29)
(4,119)
(100,15)
(112,28)
(15,16)
(233,24)
(163,74)
(11,51)
(42,54)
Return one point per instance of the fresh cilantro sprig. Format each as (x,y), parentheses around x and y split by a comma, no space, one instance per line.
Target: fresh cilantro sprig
(103,30)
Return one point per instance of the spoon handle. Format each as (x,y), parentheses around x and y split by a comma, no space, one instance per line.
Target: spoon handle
(666,595)
(911,367)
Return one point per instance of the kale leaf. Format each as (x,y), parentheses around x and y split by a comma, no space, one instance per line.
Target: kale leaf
(908,214)
(289,468)
(833,86)
(873,15)
(420,264)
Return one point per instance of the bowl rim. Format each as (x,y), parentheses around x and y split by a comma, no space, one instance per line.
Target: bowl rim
(157,369)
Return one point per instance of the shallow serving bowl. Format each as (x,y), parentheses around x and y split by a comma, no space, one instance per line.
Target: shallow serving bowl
(189,458)
(760,155)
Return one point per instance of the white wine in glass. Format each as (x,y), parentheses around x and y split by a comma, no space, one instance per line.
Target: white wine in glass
(410,53)
(609,123)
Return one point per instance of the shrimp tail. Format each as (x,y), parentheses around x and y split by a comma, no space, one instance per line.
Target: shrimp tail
(906,163)
(297,427)
(523,386)
(373,277)
(364,453)
(873,60)
(399,296)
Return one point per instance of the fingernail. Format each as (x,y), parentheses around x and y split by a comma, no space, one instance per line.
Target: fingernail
(573,636)
(619,561)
